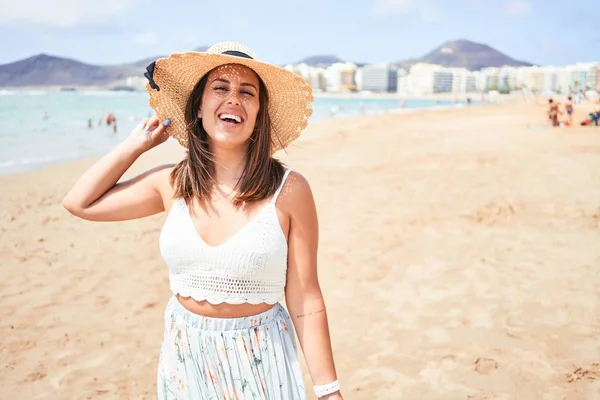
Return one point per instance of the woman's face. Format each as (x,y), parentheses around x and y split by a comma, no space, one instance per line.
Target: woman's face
(230,105)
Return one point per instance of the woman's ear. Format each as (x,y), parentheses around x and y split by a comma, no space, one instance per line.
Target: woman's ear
(199,114)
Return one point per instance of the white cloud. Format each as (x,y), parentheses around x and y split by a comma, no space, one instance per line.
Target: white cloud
(145,39)
(60,13)
(427,10)
(518,8)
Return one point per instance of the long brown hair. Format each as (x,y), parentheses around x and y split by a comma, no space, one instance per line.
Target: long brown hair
(194,176)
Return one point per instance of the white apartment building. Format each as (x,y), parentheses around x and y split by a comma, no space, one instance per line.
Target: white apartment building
(315,76)
(563,80)
(480,80)
(420,78)
(507,78)
(459,79)
(341,77)
(491,77)
(550,80)
(596,71)
(402,85)
(470,83)
(137,82)
(588,75)
(463,80)
(537,79)
(442,81)
(523,76)
(381,77)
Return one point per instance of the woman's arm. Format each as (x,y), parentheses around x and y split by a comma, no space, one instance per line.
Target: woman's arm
(303,293)
(97,196)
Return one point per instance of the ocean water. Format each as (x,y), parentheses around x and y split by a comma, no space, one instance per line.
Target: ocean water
(38,128)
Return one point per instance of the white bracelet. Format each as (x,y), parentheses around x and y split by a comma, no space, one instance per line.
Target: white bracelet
(324,390)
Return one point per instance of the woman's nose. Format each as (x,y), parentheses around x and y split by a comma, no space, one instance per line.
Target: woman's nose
(234,98)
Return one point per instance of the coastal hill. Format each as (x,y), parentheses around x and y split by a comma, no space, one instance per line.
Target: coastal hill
(465,54)
(48,70)
(457,53)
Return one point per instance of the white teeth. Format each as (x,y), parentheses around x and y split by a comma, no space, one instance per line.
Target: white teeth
(231,116)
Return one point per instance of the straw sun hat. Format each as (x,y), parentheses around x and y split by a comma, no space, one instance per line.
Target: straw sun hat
(172,79)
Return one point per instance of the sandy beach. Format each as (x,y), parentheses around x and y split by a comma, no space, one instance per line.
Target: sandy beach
(459,258)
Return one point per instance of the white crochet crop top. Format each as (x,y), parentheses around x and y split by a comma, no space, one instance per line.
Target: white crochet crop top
(249,267)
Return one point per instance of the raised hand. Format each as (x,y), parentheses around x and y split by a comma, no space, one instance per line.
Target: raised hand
(148,134)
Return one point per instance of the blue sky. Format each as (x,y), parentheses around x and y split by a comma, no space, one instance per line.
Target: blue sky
(113,31)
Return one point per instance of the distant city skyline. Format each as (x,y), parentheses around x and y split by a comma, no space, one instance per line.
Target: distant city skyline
(122,31)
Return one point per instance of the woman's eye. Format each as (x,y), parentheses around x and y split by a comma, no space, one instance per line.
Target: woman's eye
(220,88)
(247,93)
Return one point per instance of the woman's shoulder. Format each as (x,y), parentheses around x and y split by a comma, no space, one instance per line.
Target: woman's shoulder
(296,179)
(296,191)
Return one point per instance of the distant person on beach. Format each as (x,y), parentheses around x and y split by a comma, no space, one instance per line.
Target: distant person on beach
(90,126)
(553,112)
(45,115)
(569,110)
(240,232)
(595,116)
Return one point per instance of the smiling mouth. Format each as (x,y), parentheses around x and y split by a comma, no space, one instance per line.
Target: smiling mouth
(231,118)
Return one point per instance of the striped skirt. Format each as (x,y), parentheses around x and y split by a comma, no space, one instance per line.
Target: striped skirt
(251,357)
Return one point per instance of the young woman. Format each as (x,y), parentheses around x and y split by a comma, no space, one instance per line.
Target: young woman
(240,232)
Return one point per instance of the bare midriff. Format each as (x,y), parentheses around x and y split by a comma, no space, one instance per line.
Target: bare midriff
(223,310)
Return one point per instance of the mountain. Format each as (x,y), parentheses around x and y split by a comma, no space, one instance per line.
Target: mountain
(465,54)
(48,70)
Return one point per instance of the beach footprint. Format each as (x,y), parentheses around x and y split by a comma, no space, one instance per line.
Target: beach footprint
(485,366)
(590,373)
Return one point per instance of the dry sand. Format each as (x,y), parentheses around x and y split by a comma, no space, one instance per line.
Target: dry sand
(459,257)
